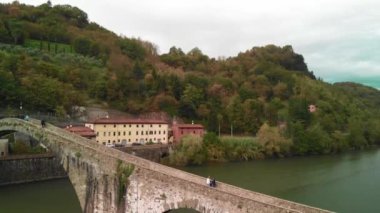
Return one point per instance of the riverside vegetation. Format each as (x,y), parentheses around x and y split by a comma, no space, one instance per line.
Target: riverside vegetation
(53,57)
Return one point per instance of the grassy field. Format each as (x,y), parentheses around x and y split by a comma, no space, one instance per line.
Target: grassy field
(44,45)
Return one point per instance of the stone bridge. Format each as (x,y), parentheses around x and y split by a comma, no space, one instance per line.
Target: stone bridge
(108,180)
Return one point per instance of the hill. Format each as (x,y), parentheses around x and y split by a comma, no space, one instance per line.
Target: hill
(53,57)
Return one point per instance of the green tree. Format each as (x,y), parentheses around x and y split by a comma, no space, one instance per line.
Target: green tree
(132,48)
(299,110)
(82,45)
(272,141)
(15,29)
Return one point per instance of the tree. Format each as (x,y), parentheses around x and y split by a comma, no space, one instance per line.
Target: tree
(319,140)
(272,141)
(298,136)
(299,110)
(192,96)
(8,89)
(236,114)
(356,137)
(138,71)
(4,34)
(190,100)
(132,48)
(82,45)
(190,151)
(15,28)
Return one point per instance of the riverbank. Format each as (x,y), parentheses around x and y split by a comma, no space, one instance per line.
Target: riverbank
(199,151)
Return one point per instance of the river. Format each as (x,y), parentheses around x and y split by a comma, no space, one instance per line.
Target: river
(55,196)
(344,183)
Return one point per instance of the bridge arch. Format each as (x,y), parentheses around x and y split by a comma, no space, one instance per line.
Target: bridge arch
(107,180)
(96,185)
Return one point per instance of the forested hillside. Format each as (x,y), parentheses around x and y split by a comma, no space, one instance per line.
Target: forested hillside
(53,57)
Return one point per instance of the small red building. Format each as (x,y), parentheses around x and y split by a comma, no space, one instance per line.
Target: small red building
(180,130)
(82,131)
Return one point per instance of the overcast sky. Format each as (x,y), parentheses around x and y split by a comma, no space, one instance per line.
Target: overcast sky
(339,39)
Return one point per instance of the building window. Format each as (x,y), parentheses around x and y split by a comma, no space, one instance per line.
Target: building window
(104,143)
(124,125)
(151,132)
(146,132)
(130,125)
(159,125)
(129,133)
(124,133)
(114,133)
(109,141)
(159,132)
(109,133)
(129,140)
(104,134)
(97,133)
(142,125)
(194,132)
(137,132)
(164,132)
(142,132)
(137,125)
(151,125)
(118,140)
(181,132)
(114,125)
(104,126)
(154,132)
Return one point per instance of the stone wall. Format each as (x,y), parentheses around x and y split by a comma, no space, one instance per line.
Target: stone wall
(150,152)
(29,168)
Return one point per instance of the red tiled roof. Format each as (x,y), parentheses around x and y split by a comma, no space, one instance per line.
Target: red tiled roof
(189,126)
(82,131)
(127,121)
(86,134)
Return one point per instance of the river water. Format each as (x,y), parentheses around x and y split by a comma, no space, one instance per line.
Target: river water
(343,183)
(55,196)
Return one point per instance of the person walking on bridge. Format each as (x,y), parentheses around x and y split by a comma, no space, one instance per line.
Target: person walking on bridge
(43,123)
(208,181)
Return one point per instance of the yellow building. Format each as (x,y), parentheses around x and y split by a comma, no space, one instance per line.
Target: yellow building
(127,131)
